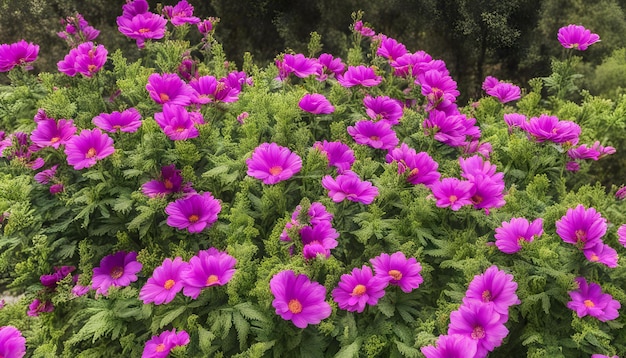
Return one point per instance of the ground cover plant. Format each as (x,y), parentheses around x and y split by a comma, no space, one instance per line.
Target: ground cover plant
(321,205)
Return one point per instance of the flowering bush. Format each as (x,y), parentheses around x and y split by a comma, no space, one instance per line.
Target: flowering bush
(180,206)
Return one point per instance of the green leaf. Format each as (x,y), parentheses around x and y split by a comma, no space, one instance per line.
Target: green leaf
(349,351)
(172,315)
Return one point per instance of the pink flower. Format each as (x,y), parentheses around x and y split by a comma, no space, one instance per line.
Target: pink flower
(126,121)
(44,176)
(602,253)
(297,64)
(180,14)
(87,148)
(489,83)
(452,192)
(86,59)
(411,64)
(36,307)
(437,87)
(505,92)
(514,120)
(208,268)
(116,270)
(12,343)
(193,212)
(142,26)
(166,281)
(359,288)
(53,133)
(581,227)
(420,167)
(331,66)
(481,323)
(20,53)
(452,346)
(391,49)
(550,128)
(349,186)
(378,135)
(359,75)
(495,288)
(161,345)
(316,103)
(272,163)
(298,299)
(318,239)
(170,181)
(576,37)
(339,154)
(383,108)
(399,270)
(621,233)
(362,29)
(589,299)
(510,235)
(169,88)
(176,122)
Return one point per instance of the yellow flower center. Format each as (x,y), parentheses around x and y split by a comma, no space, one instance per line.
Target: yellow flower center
(359,290)
(193,218)
(397,275)
(169,284)
(211,280)
(375,137)
(92,68)
(160,347)
(453,199)
(168,184)
(589,303)
(55,139)
(594,258)
(143,31)
(164,97)
(294,306)
(486,296)
(116,272)
(275,170)
(91,153)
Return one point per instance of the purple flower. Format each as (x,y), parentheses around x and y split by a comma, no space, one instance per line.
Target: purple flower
(169,182)
(363,30)
(52,133)
(194,212)
(318,239)
(510,235)
(59,274)
(378,135)
(495,288)
(86,59)
(411,64)
(77,30)
(550,128)
(45,176)
(359,75)
(273,163)
(161,345)
(481,323)
(56,188)
(421,168)
(391,49)
(339,154)
(12,343)
(298,299)
(452,346)
(20,53)
(505,92)
(126,121)
(87,148)
(36,307)
(452,192)
(595,152)
(331,66)
(176,122)
(349,186)
(208,268)
(205,26)
(437,87)
(383,108)
(621,233)
(316,103)
(589,299)
(169,88)
(117,270)
(602,253)
(619,194)
(489,83)
(359,288)
(515,120)
(576,37)
(297,64)
(142,26)
(180,14)
(399,270)
(581,227)
(448,129)
(166,281)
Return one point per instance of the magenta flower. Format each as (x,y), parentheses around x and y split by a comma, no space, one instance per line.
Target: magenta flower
(452,346)
(166,281)
(169,182)
(208,268)
(378,135)
(77,30)
(86,59)
(176,122)
(161,345)
(448,129)
(581,227)
(363,30)
(142,26)
(45,176)
(20,53)
(576,37)
(514,120)
(619,194)
(52,133)
(194,212)
(602,253)
(180,14)
(359,75)
(169,88)
(273,163)
(205,26)
(391,49)
(117,270)
(602,356)
(505,92)
(126,121)
(12,343)
(56,188)
(36,307)
(297,64)
(339,154)
(589,299)
(349,186)
(316,103)
(331,66)
(359,288)
(399,270)
(510,235)
(87,148)
(437,87)
(595,152)
(298,299)
(489,83)
(421,168)
(383,108)
(621,234)
(495,288)
(550,128)
(452,192)
(411,64)
(481,323)
(318,239)
(51,280)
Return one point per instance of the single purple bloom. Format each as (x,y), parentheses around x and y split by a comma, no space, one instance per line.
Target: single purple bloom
(44,176)
(595,152)
(205,26)
(420,167)
(494,287)
(208,268)
(241,118)
(180,14)
(36,307)
(452,346)
(273,163)
(359,288)
(339,154)
(297,64)
(550,128)
(176,122)
(489,83)
(142,27)
(170,181)
(378,135)
(161,345)
(12,343)
(194,212)
(87,148)
(581,227)
(619,194)
(363,30)
(331,66)
(89,58)
(447,129)
(80,290)
(359,75)
(572,166)
(117,270)
(576,37)
(298,299)
(166,281)
(510,235)
(56,188)
(411,64)
(383,108)
(20,53)
(621,234)
(505,92)
(53,133)
(59,274)
(169,88)
(437,86)
(481,323)
(399,270)
(602,253)
(487,191)
(134,7)
(452,192)
(316,103)
(391,49)
(589,299)
(514,120)
(349,186)
(318,239)
(126,121)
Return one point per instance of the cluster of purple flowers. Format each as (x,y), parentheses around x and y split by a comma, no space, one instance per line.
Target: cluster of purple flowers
(588,299)
(18,146)
(43,303)
(116,270)
(478,326)
(510,236)
(584,228)
(315,230)
(161,345)
(77,30)
(205,269)
(502,91)
(86,59)
(20,54)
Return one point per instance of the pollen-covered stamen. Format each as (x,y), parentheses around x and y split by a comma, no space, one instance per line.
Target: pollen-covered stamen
(478,333)
(359,290)
(116,272)
(159,348)
(169,284)
(164,97)
(143,30)
(55,139)
(294,306)
(581,235)
(168,184)
(486,296)
(211,280)
(374,137)
(193,218)
(589,303)
(453,198)
(594,257)
(395,274)
(275,170)
(91,153)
